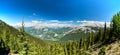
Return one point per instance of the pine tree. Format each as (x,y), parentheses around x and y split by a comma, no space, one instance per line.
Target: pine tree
(106,33)
(23,25)
(66,51)
(70,49)
(115,25)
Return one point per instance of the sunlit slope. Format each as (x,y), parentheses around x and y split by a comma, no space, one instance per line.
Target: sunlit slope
(12,32)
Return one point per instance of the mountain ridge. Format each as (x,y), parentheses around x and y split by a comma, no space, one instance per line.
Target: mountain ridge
(15,32)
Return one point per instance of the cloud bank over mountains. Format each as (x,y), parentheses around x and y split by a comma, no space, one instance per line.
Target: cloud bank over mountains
(48,23)
(94,23)
(57,23)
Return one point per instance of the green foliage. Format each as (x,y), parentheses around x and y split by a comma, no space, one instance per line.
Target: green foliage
(102,51)
(18,41)
(115,25)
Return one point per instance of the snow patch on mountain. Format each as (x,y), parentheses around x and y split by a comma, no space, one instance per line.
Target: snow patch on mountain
(94,23)
(88,26)
(54,29)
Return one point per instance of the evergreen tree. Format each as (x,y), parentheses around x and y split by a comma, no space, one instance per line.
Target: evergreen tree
(66,51)
(23,25)
(116,25)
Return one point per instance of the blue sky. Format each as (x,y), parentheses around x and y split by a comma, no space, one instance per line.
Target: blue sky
(12,11)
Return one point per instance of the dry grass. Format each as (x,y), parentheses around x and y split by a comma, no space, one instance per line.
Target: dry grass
(112,49)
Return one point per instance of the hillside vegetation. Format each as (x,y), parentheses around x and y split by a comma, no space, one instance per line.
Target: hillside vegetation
(17,41)
(97,43)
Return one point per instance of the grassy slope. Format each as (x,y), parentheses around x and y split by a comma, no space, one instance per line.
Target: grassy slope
(111,49)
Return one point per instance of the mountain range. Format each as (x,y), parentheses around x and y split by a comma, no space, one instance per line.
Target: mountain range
(64,33)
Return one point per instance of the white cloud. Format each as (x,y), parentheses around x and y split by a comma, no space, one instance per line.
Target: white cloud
(56,21)
(94,23)
(34,14)
(42,24)
(70,21)
(85,21)
(34,21)
(78,21)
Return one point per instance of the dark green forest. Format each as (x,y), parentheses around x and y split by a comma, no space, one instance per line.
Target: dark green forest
(14,41)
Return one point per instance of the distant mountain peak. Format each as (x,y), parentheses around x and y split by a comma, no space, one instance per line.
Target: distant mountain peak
(95,24)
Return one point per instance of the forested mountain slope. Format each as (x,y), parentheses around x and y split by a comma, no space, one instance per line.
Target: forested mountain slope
(17,41)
